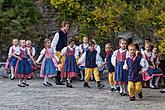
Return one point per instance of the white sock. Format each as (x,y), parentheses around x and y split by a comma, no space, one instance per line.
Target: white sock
(121,88)
(81,73)
(156,81)
(68,80)
(112,86)
(20,81)
(124,89)
(12,71)
(151,80)
(45,80)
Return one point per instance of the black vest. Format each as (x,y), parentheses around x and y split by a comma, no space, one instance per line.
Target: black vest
(90,61)
(62,42)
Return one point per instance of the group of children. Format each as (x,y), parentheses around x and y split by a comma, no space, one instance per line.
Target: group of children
(127,66)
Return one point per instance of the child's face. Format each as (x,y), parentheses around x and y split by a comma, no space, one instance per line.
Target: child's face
(85,40)
(48,44)
(23,43)
(15,42)
(147,47)
(66,28)
(155,50)
(28,44)
(92,48)
(108,48)
(72,44)
(132,50)
(123,45)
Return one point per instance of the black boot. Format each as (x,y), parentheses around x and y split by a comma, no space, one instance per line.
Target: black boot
(132,98)
(140,95)
(58,78)
(69,85)
(86,85)
(100,85)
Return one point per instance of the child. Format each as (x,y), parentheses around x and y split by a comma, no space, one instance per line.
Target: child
(31,52)
(152,70)
(91,58)
(83,48)
(109,52)
(121,76)
(70,66)
(155,63)
(49,62)
(134,64)
(12,57)
(23,68)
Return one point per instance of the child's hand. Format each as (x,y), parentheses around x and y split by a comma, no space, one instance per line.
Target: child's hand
(140,72)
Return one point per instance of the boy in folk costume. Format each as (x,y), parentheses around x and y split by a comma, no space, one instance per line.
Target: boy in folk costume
(110,67)
(91,57)
(134,65)
(121,76)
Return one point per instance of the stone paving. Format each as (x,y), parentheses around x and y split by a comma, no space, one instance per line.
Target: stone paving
(38,97)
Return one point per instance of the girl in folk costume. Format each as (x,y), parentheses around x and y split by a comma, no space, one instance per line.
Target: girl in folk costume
(12,57)
(135,65)
(70,66)
(83,48)
(31,52)
(91,58)
(23,68)
(121,76)
(49,62)
(153,70)
(109,66)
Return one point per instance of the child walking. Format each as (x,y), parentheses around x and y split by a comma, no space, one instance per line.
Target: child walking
(91,58)
(23,68)
(134,65)
(70,65)
(110,67)
(14,51)
(121,76)
(49,62)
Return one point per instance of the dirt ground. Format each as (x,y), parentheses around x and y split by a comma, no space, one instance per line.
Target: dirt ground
(38,97)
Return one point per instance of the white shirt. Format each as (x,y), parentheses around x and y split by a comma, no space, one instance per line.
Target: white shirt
(83,57)
(16,51)
(43,52)
(154,57)
(114,56)
(98,49)
(148,54)
(33,51)
(76,54)
(81,46)
(55,41)
(143,63)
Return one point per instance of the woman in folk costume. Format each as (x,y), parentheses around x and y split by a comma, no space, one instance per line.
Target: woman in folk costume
(83,48)
(153,71)
(70,65)
(12,57)
(49,62)
(58,43)
(121,76)
(23,68)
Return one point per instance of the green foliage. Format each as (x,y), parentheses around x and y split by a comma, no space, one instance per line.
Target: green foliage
(17,20)
(103,19)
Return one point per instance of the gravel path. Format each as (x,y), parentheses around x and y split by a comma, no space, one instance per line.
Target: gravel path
(38,97)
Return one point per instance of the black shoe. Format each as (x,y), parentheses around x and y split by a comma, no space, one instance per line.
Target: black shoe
(111,90)
(100,85)
(12,78)
(59,83)
(117,89)
(132,98)
(25,84)
(49,84)
(121,94)
(21,85)
(140,95)
(69,85)
(45,84)
(86,85)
